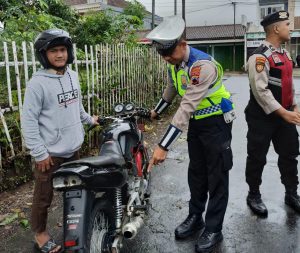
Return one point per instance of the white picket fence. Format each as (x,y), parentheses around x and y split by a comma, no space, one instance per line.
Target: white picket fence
(110,74)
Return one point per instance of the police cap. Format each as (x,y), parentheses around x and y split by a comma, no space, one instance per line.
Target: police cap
(274,17)
(167,34)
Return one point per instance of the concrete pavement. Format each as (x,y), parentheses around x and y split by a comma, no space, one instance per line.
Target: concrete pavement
(243,231)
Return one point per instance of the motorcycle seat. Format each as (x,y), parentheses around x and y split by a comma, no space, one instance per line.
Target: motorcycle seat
(109,155)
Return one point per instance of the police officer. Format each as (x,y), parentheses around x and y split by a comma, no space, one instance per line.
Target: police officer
(207,108)
(272,113)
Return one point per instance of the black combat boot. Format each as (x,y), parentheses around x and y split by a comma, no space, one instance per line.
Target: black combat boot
(292,199)
(256,204)
(208,241)
(192,224)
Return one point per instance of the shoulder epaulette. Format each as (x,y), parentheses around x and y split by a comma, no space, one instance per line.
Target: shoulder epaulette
(264,50)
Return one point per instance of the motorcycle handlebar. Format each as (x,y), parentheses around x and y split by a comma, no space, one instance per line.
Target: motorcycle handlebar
(141,112)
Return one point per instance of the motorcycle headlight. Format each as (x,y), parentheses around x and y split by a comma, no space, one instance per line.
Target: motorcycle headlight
(65,182)
(129,107)
(119,108)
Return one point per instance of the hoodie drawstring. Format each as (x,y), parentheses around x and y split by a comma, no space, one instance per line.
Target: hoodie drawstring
(62,88)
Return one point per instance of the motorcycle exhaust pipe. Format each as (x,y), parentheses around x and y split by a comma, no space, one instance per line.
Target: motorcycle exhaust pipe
(130,230)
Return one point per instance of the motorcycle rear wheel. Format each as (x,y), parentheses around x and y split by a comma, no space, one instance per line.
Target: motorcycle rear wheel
(99,230)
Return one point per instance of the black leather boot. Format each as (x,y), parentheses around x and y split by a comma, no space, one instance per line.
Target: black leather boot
(208,241)
(256,204)
(293,201)
(192,224)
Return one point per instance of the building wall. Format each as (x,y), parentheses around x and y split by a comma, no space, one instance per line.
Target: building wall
(268,2)
(271,6)
(111,4)
(75,2)
(294,47)
(297,23)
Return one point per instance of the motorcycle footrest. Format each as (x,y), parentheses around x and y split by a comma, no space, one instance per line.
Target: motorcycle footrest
(140,207)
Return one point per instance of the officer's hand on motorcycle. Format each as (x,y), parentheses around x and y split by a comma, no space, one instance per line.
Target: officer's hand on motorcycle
(153,115)
(44,165)
(159,155)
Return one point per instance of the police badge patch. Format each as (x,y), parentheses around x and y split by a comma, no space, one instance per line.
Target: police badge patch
(260,64)
(195,75)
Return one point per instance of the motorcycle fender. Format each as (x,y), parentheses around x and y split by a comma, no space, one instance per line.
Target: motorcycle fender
(77,210)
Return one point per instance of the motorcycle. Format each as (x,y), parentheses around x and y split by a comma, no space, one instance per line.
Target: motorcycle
(106,197)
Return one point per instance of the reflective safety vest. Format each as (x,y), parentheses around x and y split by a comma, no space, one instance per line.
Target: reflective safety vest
(211,104)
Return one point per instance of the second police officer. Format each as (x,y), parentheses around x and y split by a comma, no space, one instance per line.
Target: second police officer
(272,113)
(207,108)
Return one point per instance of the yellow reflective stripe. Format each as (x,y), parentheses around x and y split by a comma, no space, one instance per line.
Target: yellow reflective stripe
(173,74)
(214,89)
(220,72)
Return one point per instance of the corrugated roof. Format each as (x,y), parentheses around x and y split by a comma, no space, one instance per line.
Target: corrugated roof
(215,32)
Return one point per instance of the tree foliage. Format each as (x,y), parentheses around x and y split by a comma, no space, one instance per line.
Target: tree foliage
(24,19)
(136,9)
(106,27)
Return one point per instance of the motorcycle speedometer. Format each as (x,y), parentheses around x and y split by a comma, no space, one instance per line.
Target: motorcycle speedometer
(129,107)
(119,108)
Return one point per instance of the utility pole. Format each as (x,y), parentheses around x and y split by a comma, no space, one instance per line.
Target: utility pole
(183,16)
(175,7)
(234,7)
(153,14)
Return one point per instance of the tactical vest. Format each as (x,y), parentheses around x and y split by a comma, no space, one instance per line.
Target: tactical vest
(211,104)
(280,76)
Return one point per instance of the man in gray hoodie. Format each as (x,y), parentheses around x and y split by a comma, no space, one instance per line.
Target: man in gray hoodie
(52,123)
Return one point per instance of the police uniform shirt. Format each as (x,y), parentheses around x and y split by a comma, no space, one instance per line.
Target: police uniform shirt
(206,74)
(259,81)
(195,91)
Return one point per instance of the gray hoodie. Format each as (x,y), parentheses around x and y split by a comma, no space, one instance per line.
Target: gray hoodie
(53,115)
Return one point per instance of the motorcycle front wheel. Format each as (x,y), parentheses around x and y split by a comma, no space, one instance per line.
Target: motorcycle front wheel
(99,230)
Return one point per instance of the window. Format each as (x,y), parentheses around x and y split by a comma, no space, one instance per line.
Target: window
(269,10)
(262,13)
(266,10)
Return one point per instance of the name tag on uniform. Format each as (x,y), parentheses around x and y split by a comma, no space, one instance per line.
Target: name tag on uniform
(276,58)
(184,82)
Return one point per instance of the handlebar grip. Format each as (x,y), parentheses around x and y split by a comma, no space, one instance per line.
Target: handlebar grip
(145,113)
(100,121)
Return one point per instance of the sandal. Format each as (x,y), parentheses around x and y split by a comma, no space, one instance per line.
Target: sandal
(47,247)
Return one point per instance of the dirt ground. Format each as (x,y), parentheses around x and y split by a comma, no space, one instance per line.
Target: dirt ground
(16,204)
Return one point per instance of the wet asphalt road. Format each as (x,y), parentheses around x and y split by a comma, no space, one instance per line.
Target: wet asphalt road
(243,231)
